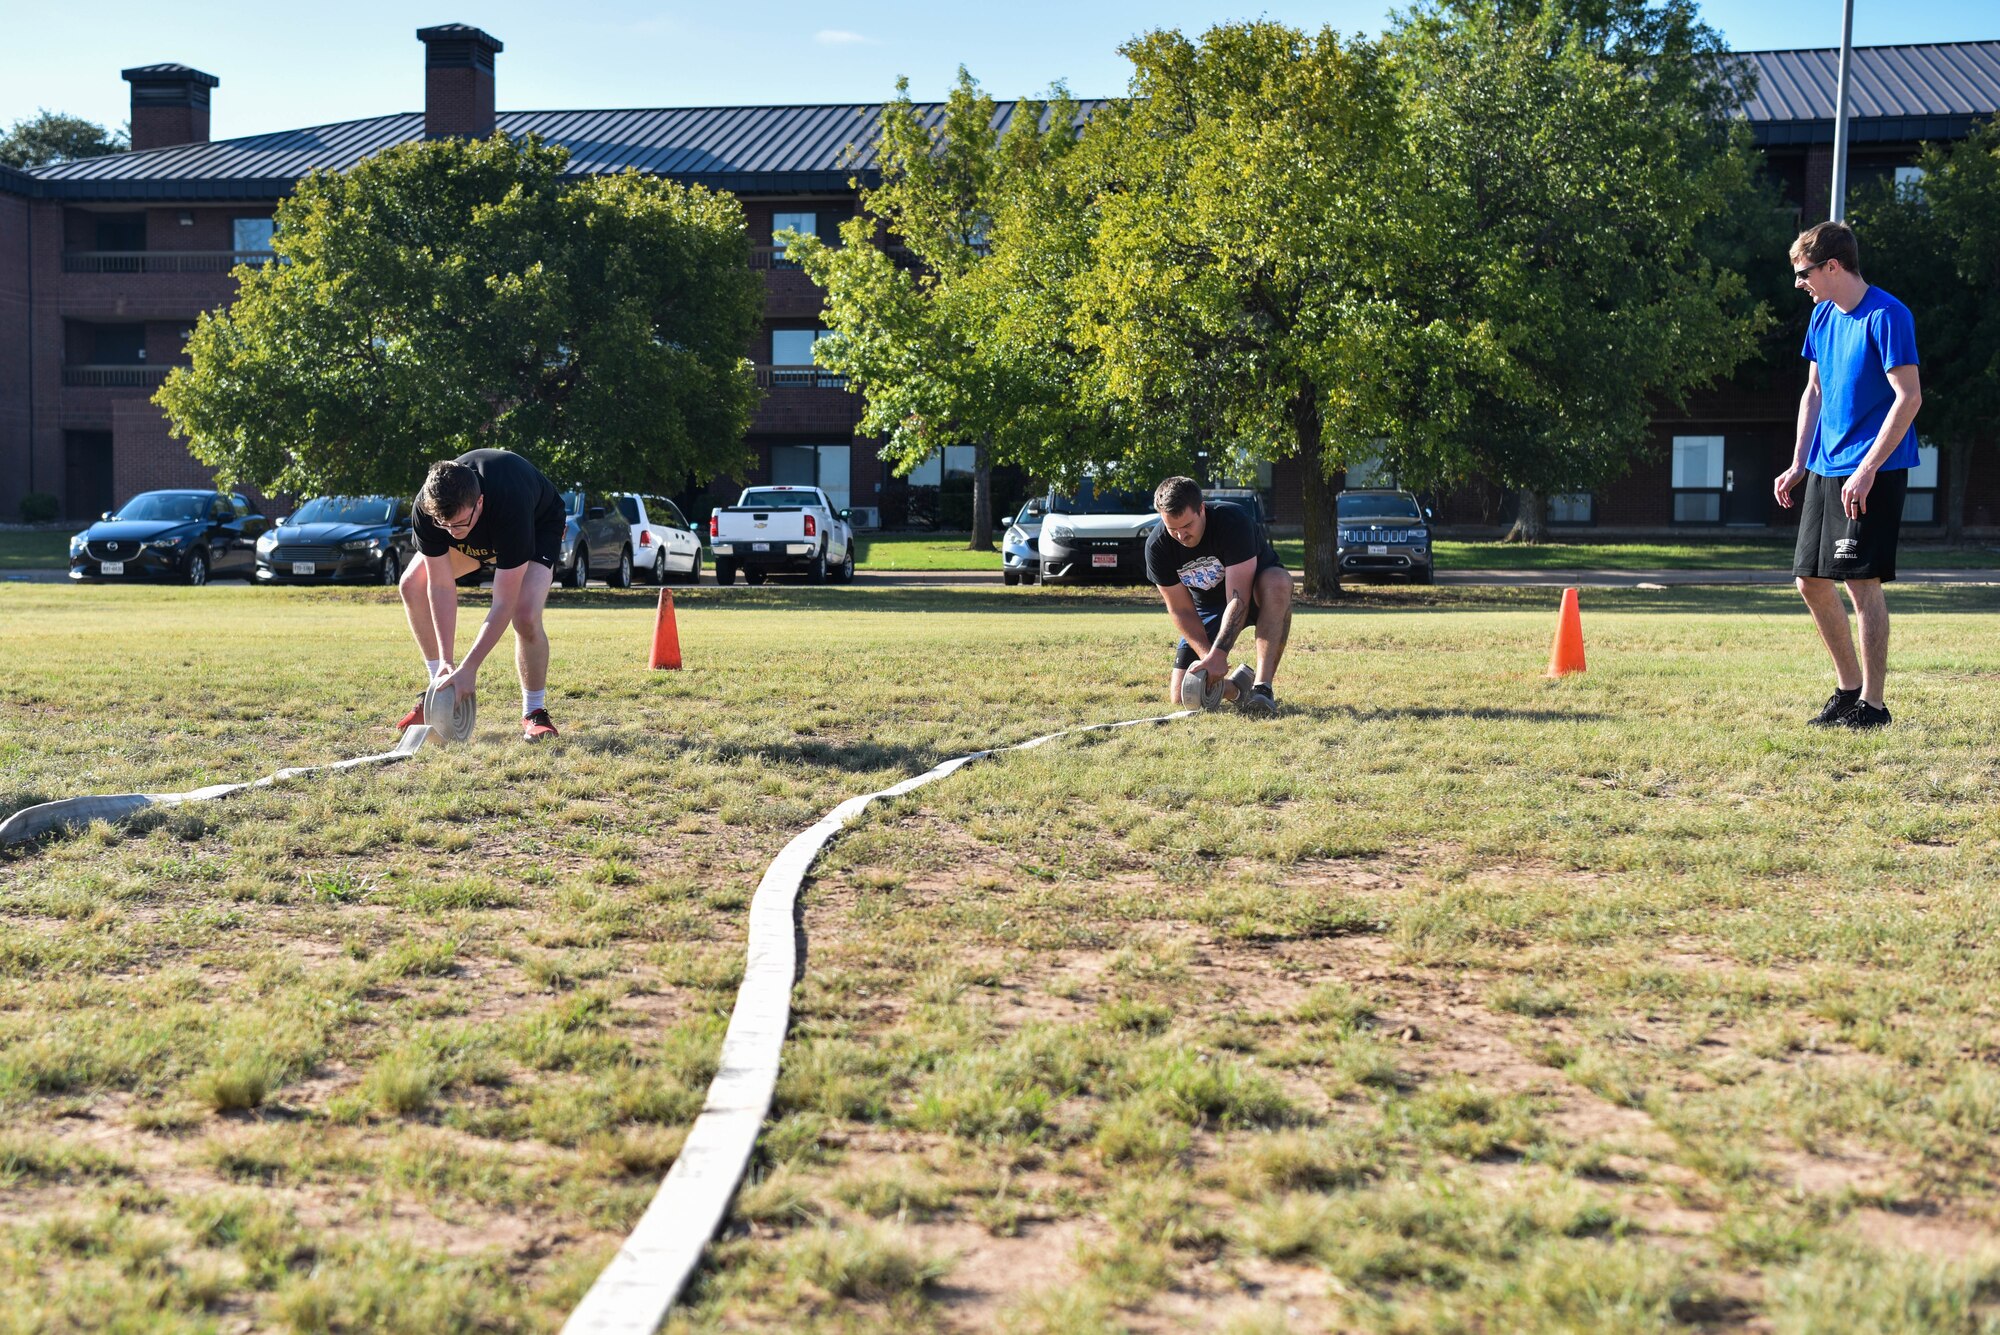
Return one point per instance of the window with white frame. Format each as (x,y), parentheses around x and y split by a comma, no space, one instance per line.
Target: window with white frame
(1578,507)
(805,224)
(1920,501)
(828,467)
(792,358)
(251,238)
(1697,479)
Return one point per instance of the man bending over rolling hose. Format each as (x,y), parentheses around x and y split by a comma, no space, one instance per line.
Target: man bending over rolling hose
(488,507)
(1218,577)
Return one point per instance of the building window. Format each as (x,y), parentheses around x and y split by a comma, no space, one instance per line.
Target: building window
(1920,501)
(1576,508)
(952,461)
(792,359)
(1697,479)
(805,224)
(252,239)
(828,467)
(1370,471)
(1910,181)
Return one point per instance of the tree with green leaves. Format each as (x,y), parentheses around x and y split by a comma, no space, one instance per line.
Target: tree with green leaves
(1936,245)
(453,294)
(1219,246)
(924,343)
(1580,149)
(52,137)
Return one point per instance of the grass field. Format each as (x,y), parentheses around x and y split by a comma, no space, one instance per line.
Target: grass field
(1455,999)
(34,549)
(939,551)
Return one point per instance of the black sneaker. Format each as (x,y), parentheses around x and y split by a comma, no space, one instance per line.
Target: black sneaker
(1864,715)
(1259,700)
(1835,708)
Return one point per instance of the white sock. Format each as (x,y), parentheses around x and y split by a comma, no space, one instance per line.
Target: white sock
(436,665)
(531,701)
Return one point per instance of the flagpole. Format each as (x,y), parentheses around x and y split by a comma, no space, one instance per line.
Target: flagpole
(1838,212)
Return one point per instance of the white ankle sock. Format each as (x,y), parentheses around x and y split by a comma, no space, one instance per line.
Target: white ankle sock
(435,665)
(532,700)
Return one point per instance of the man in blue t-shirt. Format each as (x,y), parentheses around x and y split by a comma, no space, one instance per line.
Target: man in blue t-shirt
(1854,453)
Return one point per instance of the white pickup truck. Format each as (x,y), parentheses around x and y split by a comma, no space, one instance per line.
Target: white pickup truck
(782,529)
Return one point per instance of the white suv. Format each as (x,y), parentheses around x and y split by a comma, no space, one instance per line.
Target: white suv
(664,546)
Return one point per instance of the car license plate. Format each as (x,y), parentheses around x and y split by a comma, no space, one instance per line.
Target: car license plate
(303,567)
(112,567)
(760,546)
(1378,549)
(1104,560)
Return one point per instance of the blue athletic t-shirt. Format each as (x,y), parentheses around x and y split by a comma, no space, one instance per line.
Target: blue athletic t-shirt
(1856,350)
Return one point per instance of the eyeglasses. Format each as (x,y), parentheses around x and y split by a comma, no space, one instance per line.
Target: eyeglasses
(459,525)
(1798,275)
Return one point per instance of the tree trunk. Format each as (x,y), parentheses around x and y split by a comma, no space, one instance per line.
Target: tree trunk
(1960,456)
(1322,572)
(982,497)
(1531,522)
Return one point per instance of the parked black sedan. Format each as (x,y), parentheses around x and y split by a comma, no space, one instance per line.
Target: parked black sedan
(339,538)
(190,536)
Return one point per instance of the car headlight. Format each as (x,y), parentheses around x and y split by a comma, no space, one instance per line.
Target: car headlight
(76,546)
(168,544)
(359,545)
(1016,537)
(267,541)
(1058,533)
(1420,535)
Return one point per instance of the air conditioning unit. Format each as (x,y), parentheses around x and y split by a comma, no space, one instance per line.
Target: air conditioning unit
(865,516)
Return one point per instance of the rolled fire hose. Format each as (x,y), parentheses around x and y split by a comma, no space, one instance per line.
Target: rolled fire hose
(449,712)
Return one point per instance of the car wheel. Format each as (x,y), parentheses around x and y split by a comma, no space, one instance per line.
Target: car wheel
(847,566)
(197,571)
(621,578)
(694,568)
(1421,576)
(816,572)
(725,572)
(1010,577)
(753,576)
(390,573)
(579,569)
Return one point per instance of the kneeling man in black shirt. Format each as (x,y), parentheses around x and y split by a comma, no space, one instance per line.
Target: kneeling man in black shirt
(488,507)
(1218,575)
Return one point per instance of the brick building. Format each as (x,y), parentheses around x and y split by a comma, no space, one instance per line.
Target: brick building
(105,263)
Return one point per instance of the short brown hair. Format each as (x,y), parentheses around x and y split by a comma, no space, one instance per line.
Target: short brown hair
(448,488)
(1177,494)
(1829,241)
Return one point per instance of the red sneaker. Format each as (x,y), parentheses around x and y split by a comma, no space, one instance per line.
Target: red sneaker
(536,727)
(414,717)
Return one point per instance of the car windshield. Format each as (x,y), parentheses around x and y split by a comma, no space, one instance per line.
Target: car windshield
(346,510)
(772,499)
(1090,501)
(167,505)
(1379,507)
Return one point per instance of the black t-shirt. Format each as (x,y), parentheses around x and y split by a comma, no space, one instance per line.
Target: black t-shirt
(1230,538)
(519,502)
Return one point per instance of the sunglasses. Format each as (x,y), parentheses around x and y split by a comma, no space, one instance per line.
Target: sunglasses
(1799,274)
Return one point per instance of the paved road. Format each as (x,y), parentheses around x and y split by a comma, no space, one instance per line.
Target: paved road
(1553,579)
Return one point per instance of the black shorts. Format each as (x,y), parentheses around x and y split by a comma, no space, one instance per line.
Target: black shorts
(1185,657)
(548,541)
(1834,546)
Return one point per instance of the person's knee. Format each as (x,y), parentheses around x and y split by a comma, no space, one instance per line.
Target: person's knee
(1810,589)
(528,625)
(415,583)
(1274,589)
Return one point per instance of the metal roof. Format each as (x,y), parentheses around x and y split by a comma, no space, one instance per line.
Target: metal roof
(1901,94)
(1896,94)
(752,149)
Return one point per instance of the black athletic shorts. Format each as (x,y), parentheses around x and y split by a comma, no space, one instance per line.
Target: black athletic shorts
(548,540)
(1185,657)
(1834,546)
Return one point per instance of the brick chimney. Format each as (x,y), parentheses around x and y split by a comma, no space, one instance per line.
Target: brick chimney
(458,81)
(169,105)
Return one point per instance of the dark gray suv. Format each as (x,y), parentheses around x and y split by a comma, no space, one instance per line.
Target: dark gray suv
(1384,534)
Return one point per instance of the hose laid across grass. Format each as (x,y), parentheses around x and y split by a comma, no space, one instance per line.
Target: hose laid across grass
(640,1285)
(72,813)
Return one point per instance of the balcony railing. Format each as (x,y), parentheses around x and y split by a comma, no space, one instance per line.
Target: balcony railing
(114,377)
(161,261)
(798,377)
(773,257)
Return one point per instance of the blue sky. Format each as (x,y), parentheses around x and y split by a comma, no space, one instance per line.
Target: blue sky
(285,66)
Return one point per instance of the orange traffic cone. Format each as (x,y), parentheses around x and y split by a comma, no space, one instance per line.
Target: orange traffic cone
(666,638)
(1566,656)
